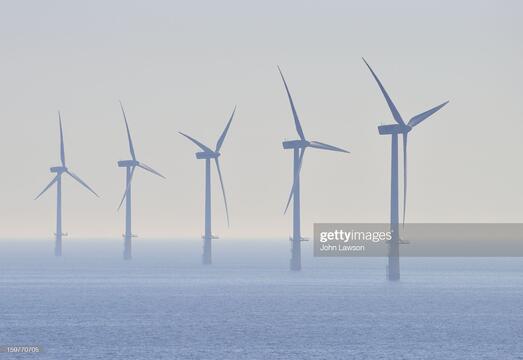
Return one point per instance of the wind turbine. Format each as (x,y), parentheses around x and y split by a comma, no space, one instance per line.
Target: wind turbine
(207,154)
(299,147)
(130,166)
(393,269)
(59,170)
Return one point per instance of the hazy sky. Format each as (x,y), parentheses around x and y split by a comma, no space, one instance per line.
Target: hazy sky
(184,65)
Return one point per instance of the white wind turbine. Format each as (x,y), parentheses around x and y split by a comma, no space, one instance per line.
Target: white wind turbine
(130,166)
(59,170)
(208,154)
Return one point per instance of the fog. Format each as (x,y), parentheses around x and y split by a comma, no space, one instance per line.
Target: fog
(184,66)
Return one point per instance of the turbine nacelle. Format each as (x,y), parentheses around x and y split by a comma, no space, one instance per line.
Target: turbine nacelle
(58,169)
(128,163)
(394,129)
(207,155)
(295,144)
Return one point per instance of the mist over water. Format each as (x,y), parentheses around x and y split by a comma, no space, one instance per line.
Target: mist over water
(163,304)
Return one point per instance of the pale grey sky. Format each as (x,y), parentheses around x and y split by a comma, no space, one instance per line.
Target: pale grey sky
(184,65)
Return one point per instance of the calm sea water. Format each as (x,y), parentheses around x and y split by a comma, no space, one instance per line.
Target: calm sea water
(90,304)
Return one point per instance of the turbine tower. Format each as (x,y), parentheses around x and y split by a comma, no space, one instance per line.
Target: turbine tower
(207,154)
(393,268)
(59,170)
(299,146)
(130,166)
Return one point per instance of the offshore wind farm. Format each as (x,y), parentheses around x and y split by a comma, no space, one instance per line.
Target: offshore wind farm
(367,135)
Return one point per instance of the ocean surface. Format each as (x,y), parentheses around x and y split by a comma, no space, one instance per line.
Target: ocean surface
(163,304)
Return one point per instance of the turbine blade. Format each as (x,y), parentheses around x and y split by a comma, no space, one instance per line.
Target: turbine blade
(224,133)
(420,117)
(150,169)
(77,178)
(131,147)
(47,187)
(320,145)
(62,150)
(127,187)
(404,175)
(294,114)
(223,189)
(392,107)
(199,144)
(295,179)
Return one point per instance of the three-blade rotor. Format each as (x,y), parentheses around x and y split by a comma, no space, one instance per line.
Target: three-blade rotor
(404,128)
(304,143)
(208,153)
(59,170)
(134,163)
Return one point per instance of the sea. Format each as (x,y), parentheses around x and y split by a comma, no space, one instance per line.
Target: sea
(163,304)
